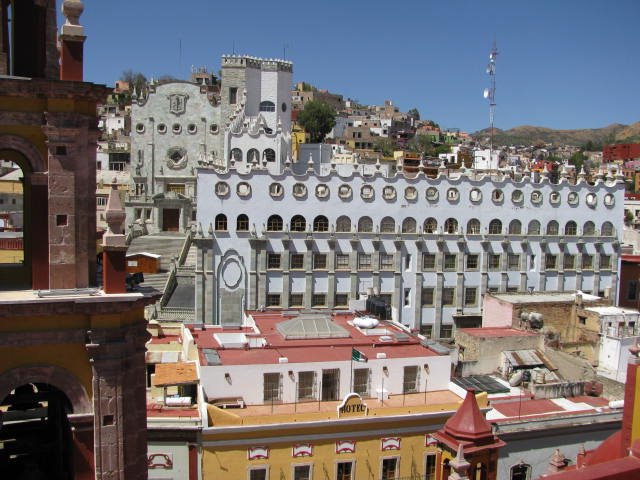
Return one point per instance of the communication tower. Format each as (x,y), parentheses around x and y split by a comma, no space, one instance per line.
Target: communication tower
(490,92)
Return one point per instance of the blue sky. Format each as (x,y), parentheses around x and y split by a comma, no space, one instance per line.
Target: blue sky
(561,64)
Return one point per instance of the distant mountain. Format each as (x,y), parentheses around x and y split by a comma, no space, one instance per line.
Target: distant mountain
(529,135)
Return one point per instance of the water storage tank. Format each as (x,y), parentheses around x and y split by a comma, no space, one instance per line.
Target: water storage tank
(366,322)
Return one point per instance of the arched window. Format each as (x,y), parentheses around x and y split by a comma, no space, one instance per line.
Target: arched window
(534,228)
(450,225)
(343,224)
(409,225)
(274,224)
(253,155)
(571,228)
(269,155)
(521,471)
(430,225)
(267,106)
(298,223)
(320,224)
(495,227)
(515,227)
(388,225)
(607,229)
(365,224)
(552,228)
(221,223)
(242,223)
(473,227)
(589,228)
(235,154)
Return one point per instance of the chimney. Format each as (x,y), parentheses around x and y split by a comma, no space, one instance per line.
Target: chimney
(72,39)
(114,245)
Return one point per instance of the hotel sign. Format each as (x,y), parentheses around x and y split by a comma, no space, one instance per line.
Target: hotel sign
(352,406)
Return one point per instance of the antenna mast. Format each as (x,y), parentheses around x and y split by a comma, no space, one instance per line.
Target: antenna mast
(490,93)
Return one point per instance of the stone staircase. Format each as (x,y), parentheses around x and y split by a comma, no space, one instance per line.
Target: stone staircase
(176,304)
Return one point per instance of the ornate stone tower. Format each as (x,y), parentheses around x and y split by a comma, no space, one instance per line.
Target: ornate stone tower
(68,352)
(468,429)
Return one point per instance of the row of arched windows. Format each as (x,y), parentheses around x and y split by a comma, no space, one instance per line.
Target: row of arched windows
(268,154)
(388,225)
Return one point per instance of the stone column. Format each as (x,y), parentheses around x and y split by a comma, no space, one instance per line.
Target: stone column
(331,273)
(39,231)
(119,401)
(353,264)
(524,267)
(253,274)
(114,245)
(285,259)
(484,267)
(308,273)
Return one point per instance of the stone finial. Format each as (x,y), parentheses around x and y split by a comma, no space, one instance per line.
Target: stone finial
(557,463)
(459,465)
(114,213)
(72,9)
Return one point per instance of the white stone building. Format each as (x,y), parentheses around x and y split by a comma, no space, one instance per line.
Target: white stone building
(430,246)
(178,126)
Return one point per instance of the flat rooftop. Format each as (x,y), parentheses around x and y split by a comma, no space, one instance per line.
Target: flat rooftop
(542,297)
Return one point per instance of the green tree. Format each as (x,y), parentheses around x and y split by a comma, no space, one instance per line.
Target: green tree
(578,159)
(137,81)
(414,113)
(317,118)
(384,146)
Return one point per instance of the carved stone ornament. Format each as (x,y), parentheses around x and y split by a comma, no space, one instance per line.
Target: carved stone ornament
(178,103)
(176,158)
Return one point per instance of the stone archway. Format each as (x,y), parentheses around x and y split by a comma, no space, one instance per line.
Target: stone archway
(34,271)
(58,377)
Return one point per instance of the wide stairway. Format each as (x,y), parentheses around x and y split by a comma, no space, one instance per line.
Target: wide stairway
(178,302)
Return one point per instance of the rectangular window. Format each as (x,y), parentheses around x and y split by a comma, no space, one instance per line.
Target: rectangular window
(407,297)
(513,260)
(319,261)
(428,261)
(296,261)
(605,262)
(342,261)
(407,262)
(569,261)
(233,95)
(426,330)
(410,379)
(258,473)
(306,385)
(361,381)
(427,297)
(330,384)
(302,472)
(176,188)
(296,300)
(472,261)
(319,300)
(342,299)
(430,467)
(141,188)
(272,387)
(389,468)
(448,296)
(386,261)
(344,471)
(450,261)
(446,331)
(587,261)
(273,260)
(100,201)
(494,262)
(470,296)
(273,299)
(364,261)
(550,261)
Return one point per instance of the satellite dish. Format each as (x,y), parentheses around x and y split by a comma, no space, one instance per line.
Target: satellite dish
(485,94)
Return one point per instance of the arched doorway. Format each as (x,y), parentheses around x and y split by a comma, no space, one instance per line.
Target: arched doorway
(15,232)
(36,433)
